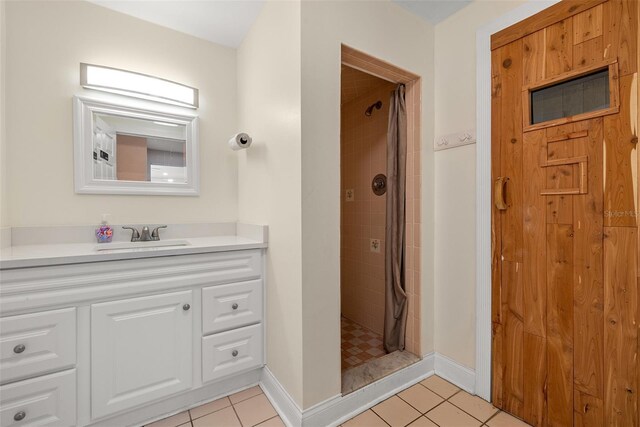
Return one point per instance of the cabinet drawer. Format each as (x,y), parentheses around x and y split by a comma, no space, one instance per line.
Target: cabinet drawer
(230,306)
(44,401)
(36,343)
(230,352)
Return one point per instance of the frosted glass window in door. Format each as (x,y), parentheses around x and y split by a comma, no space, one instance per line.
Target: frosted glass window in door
(580,95)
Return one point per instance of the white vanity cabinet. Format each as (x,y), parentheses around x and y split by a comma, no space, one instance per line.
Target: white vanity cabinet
(125,342)
(141,350)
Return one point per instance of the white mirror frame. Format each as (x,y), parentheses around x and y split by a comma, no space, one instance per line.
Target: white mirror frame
(83,118)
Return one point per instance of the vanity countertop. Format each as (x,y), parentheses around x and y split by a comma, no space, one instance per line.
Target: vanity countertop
(38,255)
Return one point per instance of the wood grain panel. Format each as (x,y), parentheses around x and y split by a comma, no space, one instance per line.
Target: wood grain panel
(511,149)
(535,254)
(497,365)
(549,16)
(587,25)
(512,353)
(560,324)
(497,342)
(535,380)
(588,411)
(588,53)
(533,58)
(620,332)
(621,33)
(559,208)
(496,223)
(558,48)
(620,140)
(588,269)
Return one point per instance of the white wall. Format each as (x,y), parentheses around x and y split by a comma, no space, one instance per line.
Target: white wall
(455,195)
(4,206)
(269,175)
(46,41)
(386,31)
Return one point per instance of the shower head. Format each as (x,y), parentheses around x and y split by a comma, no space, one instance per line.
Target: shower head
(377,106)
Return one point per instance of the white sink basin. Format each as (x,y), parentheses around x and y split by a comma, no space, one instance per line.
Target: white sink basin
(124,246)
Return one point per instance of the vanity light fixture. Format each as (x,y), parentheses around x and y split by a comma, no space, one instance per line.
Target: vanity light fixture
(137,85)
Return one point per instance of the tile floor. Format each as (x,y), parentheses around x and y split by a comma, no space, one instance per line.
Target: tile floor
(247,408)
(359,344)
(433,402)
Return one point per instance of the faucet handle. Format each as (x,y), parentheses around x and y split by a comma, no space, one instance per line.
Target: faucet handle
(155,234)
(135,234)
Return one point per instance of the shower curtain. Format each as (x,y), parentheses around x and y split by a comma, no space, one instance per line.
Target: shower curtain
(395,316)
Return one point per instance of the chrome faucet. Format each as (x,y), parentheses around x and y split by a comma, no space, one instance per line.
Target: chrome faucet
(145,236)
(136,236)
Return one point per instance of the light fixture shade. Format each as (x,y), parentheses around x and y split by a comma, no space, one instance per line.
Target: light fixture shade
(137,85)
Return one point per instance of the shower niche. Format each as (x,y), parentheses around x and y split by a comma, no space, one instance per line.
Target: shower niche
(366,184)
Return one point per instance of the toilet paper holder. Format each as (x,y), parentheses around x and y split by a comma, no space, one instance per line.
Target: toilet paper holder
(240,141)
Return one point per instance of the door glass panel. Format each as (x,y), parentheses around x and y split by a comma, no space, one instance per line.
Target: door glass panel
(581,95)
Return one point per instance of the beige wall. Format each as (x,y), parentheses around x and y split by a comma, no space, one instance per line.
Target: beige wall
(46,41)
(269,175)
(386,31)
(363,144)
(455,195)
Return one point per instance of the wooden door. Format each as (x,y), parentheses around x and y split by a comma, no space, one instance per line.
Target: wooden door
(141,350)
(564,222)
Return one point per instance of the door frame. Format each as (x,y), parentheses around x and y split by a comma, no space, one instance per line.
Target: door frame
(382,69)
(483,187)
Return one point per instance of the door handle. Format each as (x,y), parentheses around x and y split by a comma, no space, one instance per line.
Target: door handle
(499,192)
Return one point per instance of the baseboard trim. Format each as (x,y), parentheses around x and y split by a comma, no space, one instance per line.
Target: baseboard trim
(287,408)
(455,373)
(346,407)
(165,408)
(338,409)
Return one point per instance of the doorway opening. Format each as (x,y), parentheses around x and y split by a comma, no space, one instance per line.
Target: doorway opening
(375,96)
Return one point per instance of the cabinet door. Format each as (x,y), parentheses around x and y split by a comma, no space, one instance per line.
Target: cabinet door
(141,350)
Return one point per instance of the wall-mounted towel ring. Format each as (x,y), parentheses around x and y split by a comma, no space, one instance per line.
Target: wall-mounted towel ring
(379,184)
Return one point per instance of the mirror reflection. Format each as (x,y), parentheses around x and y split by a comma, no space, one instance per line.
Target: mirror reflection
(132,149)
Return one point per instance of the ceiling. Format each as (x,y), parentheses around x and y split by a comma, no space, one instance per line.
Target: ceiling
(433,11)
(226,22)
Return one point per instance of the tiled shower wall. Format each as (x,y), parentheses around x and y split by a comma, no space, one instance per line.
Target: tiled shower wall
(364,152)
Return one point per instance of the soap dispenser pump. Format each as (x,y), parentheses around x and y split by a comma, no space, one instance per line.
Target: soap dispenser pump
(104,233)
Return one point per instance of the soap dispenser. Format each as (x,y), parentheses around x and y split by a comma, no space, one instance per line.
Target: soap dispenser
(104,233)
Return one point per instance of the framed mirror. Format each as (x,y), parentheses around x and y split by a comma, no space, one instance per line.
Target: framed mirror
(125,147)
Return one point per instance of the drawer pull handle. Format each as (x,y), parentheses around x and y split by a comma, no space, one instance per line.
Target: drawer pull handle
(19,348)
(186,307)
(235,306)
(234,353)
(20,416)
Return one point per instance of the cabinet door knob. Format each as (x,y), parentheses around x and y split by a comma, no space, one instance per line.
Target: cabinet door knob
(186,307)
(235,306)
(234,353)
(19,348)
(20,416)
